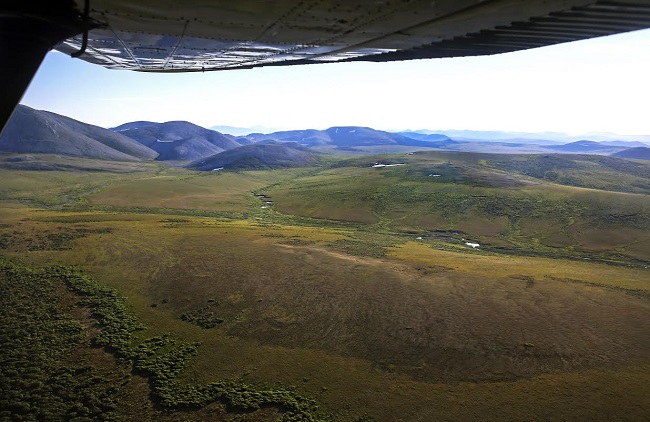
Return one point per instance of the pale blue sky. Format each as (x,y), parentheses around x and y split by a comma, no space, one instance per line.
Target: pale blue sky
(587,86)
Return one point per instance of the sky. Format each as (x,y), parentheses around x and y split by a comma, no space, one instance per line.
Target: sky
(597,85)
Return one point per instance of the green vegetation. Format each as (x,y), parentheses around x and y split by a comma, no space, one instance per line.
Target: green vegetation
(39,377)
(203,317)
(339,292)
(45,335)
(54,241)
(595,172)
(463,196)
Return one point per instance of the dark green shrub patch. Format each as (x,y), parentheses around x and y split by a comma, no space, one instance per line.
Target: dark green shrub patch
(35,385)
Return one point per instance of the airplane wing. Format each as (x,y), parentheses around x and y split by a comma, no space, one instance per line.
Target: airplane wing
(202,35)
(205,35)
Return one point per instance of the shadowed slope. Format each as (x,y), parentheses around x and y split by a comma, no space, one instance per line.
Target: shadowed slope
(258,156)
(177,140)
(639,153)
(34,131)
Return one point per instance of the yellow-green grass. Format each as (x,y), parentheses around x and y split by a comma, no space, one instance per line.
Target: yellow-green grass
(52,188)
(337,194)
(180,189)
(596,172)
(538,217)
(395,338)
(540,269)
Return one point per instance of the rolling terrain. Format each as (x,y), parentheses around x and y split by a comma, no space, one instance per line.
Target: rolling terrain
(177,141)
(344,290)
(180,142)
(349,137)
(496,200)
(367,140)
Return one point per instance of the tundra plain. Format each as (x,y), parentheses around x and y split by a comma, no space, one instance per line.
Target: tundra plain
(349,284)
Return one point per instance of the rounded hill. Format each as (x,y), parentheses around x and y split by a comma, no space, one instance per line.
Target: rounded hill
(36,131)
(638,153)
(177,140)
(258,156)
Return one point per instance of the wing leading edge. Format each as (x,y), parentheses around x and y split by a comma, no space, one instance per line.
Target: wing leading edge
(163,36)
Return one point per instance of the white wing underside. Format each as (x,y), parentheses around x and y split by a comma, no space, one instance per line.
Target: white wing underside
(191,35)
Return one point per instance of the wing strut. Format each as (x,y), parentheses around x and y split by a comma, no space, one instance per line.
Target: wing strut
(84,42)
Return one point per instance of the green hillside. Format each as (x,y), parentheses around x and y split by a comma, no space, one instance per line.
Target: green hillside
(457,197)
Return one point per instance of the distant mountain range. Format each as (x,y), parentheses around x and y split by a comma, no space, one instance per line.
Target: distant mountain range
(538,138)
(544,138)
(345,137)
(34,131)
(354,137)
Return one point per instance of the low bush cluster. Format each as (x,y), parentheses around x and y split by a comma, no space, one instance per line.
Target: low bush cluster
(203,317)
(38,379)
(161,358)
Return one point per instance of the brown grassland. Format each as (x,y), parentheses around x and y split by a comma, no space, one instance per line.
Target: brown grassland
(357,289)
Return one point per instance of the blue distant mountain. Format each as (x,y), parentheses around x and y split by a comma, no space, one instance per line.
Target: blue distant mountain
(639,153)
(543,138)
(352,136)
(586,147)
